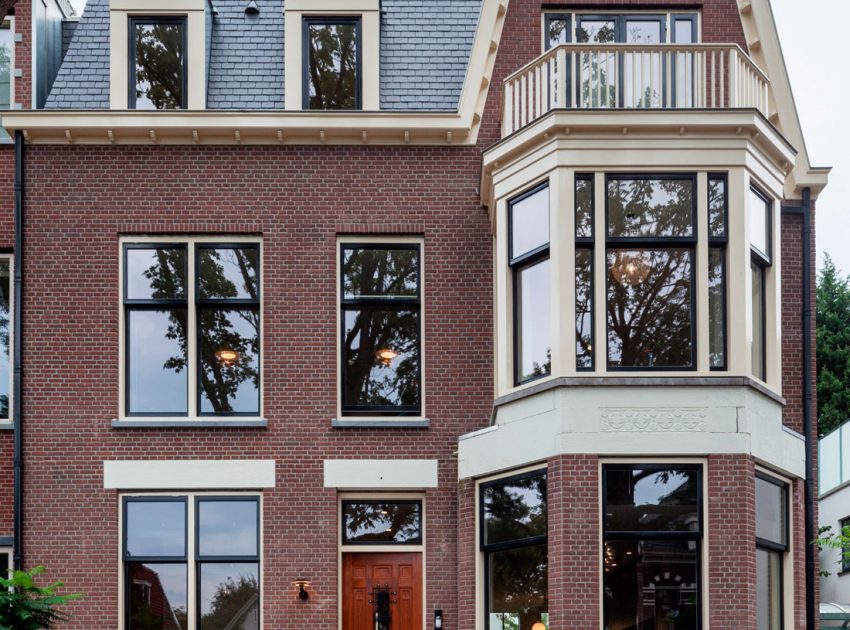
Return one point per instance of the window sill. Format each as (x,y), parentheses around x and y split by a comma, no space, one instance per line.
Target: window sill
(389,422)
(189,423)
(6,426)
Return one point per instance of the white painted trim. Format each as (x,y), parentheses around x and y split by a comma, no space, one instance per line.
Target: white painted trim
(189,474)
(380,474)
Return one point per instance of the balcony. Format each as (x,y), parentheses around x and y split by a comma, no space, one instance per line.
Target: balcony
(629,76)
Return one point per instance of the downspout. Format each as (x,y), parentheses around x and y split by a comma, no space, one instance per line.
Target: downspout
(18,550)
(804,211)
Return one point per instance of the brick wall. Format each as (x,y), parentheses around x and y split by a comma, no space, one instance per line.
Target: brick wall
(23,53)
(6,482)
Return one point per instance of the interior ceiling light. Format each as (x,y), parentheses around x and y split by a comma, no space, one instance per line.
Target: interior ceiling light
(227,356)
(630,268)
(386,355)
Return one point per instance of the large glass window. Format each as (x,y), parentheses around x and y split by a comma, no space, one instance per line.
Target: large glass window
(221,547)
(382,522)
(652,538)
(514,541)
(380,296)
(332,68)
(157,63)
(6,337)
(650,271)
(584,213)
(528,216)
(7,60)
(759,210)
(771,546)
(718,205)
(212,289)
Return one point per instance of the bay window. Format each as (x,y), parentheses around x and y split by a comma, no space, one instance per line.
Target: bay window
(771,546)
(759,208)
(584,212)
(718,236)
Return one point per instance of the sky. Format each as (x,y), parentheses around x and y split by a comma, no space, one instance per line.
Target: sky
(812,33)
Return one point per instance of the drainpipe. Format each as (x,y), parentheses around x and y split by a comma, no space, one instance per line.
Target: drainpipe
(808,397)
(18,550)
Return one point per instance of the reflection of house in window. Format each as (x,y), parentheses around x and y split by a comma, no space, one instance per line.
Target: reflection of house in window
(149,600)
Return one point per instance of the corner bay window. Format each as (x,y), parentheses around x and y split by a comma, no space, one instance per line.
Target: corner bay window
(760,256)
(771,546)
(381,328)
(332,68)
(652,539)
(192,324)
(157,60)
(211,542)
(513,534)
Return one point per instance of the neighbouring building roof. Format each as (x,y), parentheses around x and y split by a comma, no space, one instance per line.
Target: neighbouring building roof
(425,49)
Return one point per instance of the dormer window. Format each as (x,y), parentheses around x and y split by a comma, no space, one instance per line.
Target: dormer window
(157,63)
(332,64)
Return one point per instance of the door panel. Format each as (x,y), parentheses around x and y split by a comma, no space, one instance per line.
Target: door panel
(362,573)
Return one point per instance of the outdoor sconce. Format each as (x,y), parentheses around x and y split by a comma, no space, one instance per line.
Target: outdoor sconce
(438,619)
(301,584)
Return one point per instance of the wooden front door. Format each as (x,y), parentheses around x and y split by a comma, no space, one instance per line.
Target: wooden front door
(366,575)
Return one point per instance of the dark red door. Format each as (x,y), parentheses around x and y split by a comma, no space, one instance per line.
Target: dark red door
(366,576)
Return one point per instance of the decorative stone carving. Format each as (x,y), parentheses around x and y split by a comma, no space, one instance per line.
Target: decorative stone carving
(672,419)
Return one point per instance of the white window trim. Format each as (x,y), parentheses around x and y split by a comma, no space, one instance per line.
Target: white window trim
(379,421)
(120,12)
(193,417)
(191,592)
(370,47)
(8,423)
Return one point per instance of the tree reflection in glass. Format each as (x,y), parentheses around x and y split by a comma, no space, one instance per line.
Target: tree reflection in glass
(5,301)
(518,588)
(381,328)
(332,67)
(229,596)
(515,509)
(373,522)
(649,499)
(650,207)
(160,54)
(584,308)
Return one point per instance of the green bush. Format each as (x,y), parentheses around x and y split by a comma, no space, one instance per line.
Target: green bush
(26,606)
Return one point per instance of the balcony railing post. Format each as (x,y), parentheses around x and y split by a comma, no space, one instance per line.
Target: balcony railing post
(508,109)
(733,78)
(564,95)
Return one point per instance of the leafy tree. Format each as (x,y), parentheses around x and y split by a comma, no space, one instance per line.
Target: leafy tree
(159,64)
(833,347)
(834,540)
(332,67)
(234,605)
(27,606)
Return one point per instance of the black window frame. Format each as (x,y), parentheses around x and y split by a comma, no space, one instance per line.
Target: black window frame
(419,540)
(662,243)
(193,304)
(330,20)
(774,547)
(762,260)
(554,16)
(587,244)
(697,536)
(721,243)
(520,263)
(398,303)
(140,20)
(510,545)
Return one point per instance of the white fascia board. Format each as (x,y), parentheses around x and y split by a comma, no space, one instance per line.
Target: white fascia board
(379,474)
(189,474)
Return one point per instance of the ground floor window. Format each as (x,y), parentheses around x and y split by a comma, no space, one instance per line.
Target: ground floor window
(5,561)
(771,547)
(514,541)
(191,562)
(652,543)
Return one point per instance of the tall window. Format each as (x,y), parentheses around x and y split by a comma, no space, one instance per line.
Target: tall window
(585,208)
(759,209)
(192,329)
(514,541)
(332,73)
(650,240)
(771,546)
(157,63)
(5,561)
(380,293)
(652,531)
(7,61)
(718,235)
(214,539)
(528,216)
(6,337)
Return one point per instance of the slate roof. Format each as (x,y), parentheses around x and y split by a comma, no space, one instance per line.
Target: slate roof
(425,48)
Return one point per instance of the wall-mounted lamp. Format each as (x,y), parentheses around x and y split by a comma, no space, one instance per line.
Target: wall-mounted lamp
(438,619)
(301,584)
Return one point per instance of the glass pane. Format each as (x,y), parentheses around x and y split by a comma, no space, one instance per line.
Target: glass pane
(156,361)
(584,207)
(7,45)
(584,308)
(157,596)
(228,528)
(558,32)
(650,207)
(596,31)
(229,596)
(4,564)
(155,274)
(159,65)
(529,223)
(229,273)
(651,585)
(650,315)
(717,307)
(534,346)
(519,589)
(370,522)
(771,510)
(515,509)
(643,72)
(5,341)
(717,207)
(768,589)
(332,73)
(377,272)
(156,529)
(649,499)
(759,223)
(381,358)
(230,360)
(684,32)
(757,347)
(643,32)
